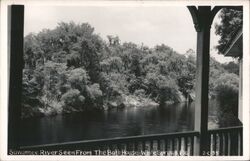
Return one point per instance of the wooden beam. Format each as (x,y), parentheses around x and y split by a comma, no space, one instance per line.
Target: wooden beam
(202,17)
(195,17)
(16,22)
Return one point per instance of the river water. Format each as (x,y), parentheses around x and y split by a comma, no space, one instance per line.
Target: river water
(114,123)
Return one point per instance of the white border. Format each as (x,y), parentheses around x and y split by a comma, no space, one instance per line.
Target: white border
(4,75)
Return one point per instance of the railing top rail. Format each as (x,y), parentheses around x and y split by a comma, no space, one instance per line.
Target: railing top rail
(117,139)
(225,129)
(134,138)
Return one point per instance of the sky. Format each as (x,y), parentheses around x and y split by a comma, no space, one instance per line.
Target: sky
(150,25)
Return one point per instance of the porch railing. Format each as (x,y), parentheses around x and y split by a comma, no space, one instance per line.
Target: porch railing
(224,141)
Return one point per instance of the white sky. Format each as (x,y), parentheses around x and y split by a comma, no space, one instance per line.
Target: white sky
(171,25)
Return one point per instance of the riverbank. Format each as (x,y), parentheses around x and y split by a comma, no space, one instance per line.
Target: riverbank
(55,108)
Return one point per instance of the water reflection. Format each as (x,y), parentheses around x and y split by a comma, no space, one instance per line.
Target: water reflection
(112,123)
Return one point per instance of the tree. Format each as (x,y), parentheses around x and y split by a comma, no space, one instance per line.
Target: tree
(186,84)
(113,40)
(226,89)
(78,79)
(31,92)
(73,100)
(231,21)
(162,88)
(71,68)
(232,67)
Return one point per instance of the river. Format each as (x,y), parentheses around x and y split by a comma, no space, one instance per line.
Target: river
(114,123)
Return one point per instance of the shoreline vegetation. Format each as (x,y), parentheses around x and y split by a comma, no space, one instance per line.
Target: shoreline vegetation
(72,69)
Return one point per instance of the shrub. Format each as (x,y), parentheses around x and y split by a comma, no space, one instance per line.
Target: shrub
(73,100)
(226,89)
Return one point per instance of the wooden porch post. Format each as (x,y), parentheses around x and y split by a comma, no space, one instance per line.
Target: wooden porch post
(15,35)
(202,79)
(202,18)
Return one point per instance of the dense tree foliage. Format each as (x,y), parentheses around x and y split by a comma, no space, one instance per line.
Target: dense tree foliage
(232,67)
(230,21)
(70,68)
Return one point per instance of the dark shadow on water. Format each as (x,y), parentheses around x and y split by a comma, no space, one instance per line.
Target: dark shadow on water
(111,123)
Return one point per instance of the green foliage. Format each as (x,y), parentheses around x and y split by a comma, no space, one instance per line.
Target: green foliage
(186,84)
(30,94)
(95,95)
(162,88)
(226,89)
(168,91)
(78,79)
(112,64)
(227,86)
(232,67)
(73,100)
(70,68)
(231,21)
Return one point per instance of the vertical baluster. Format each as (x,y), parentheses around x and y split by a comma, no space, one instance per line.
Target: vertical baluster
(147,145)
(162,145)
(123,147)
(226,143)
(170,145)
(192,146)
(214,144)
(101,148)
(143,145)
(176,145)
(234,144)
(189,145)
(108,147)
(140,146)
(186,145)
(98,149)
(165,148)
(229,143)
(167,144)
(179,145)
(127,146)
(182,151)
(118,146)
(173,146)
(111,147)
(152,147)
(115,147)
(134,143)
(135,146)
(159,145)
(221,144)
(209,144)
(239,142)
